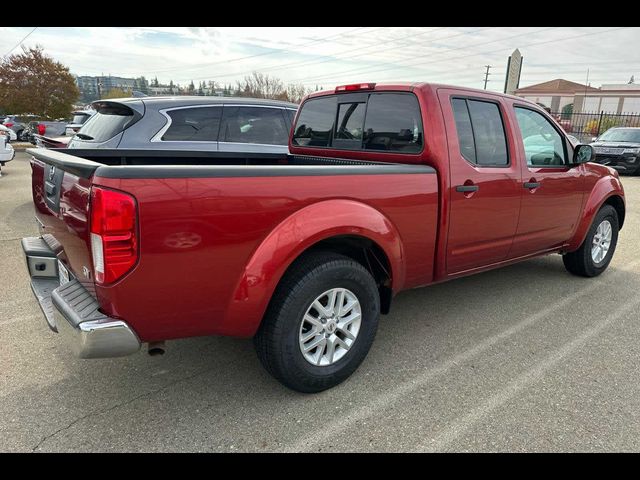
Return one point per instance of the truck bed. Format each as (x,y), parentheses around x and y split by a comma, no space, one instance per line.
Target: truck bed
(214,228)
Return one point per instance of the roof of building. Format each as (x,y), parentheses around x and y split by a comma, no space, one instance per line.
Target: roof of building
(558,85)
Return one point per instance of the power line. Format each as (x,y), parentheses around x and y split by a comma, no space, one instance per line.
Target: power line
(324,77)
(430,54)
(237,59)
(331,57)
(18,44)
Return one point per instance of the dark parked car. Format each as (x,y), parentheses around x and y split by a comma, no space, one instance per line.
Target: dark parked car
(18,123)
(619,148)
(188,123)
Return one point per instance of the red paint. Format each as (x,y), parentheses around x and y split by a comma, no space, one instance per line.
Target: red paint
(212,250)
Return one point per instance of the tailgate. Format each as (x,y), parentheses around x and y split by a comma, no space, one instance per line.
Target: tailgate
(61,186)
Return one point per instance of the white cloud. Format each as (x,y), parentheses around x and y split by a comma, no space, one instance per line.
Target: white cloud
(333,55)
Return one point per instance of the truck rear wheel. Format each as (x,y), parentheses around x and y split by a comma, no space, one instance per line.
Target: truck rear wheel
(595,253)
(320,323)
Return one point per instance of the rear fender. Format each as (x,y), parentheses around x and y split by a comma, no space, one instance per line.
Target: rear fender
(291,238)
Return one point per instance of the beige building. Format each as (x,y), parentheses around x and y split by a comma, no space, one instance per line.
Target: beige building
(609,98)
(555,94)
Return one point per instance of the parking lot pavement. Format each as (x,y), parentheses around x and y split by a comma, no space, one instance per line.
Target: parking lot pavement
(525,358)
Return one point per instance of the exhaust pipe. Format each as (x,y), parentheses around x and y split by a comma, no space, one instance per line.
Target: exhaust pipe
(156,348)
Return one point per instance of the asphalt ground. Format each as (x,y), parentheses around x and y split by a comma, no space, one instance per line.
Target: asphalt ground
(524,358)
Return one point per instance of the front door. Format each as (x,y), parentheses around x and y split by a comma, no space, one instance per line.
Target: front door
(552,189)
(485,178)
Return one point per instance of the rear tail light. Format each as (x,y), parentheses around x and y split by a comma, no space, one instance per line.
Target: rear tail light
(41,129)
(8,124)
(355,86)
(114,239)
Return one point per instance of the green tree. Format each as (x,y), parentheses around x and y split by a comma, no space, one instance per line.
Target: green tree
(117,93)
(191,88)
(32,82)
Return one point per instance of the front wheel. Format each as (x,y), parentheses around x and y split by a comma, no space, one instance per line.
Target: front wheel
(595,253)
(320,323)
(19,135)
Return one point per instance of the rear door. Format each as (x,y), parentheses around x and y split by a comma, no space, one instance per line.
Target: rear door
(552,191)
(485,180)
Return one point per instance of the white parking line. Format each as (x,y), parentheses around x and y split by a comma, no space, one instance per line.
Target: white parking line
(459,426)
(334,428)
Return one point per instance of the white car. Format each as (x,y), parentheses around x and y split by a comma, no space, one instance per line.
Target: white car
(12,135)
(6,151)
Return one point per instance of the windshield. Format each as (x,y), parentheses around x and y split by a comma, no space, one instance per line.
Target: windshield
(621,135)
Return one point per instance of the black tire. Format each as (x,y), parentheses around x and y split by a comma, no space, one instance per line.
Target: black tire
(19,135)
(277,340)
(581,262)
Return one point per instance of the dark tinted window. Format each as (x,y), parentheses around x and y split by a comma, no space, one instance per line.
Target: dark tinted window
(254,125)
(464,129)
(315,122)
(393,123)
(350,121)
(291,114)
(488,133)
(110,120)
(194,124)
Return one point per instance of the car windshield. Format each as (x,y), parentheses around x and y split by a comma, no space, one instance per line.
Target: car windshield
(630,135)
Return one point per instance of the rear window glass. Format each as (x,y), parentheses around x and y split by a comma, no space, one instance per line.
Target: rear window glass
(254,125)
(194,124)
(380,121)
(79,118)
(315,123)
(393,123)
(107,123)
(350,121)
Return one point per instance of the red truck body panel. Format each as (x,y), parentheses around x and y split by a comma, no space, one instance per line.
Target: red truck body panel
(212,250)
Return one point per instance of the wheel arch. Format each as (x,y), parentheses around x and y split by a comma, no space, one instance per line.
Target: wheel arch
(352,228)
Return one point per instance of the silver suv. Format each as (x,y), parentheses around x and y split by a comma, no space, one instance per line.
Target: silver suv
(231,124)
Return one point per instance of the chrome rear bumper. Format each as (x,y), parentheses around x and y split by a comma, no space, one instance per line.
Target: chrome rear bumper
(72,311)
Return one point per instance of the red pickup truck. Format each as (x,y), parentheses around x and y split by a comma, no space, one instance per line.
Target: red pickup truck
(385,188)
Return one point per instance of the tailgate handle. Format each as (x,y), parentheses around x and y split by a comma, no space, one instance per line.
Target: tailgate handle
(50,188)
(467,188)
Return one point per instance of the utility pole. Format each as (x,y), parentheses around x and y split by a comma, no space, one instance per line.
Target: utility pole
(486,76)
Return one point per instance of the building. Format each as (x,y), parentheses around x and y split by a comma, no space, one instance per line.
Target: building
(91,87)
(556,94)
(610,98)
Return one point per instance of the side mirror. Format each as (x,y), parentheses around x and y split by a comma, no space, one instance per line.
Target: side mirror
(582,154)
(593,139)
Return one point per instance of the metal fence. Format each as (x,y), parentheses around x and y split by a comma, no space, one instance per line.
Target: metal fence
(587,125)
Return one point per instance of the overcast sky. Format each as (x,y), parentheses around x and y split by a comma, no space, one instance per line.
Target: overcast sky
(329,56)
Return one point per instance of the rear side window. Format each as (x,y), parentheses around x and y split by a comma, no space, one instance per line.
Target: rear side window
(393,123)
(464,129)
(480,124)
(254,125)
(315,122)
(199,124)
(110,120)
